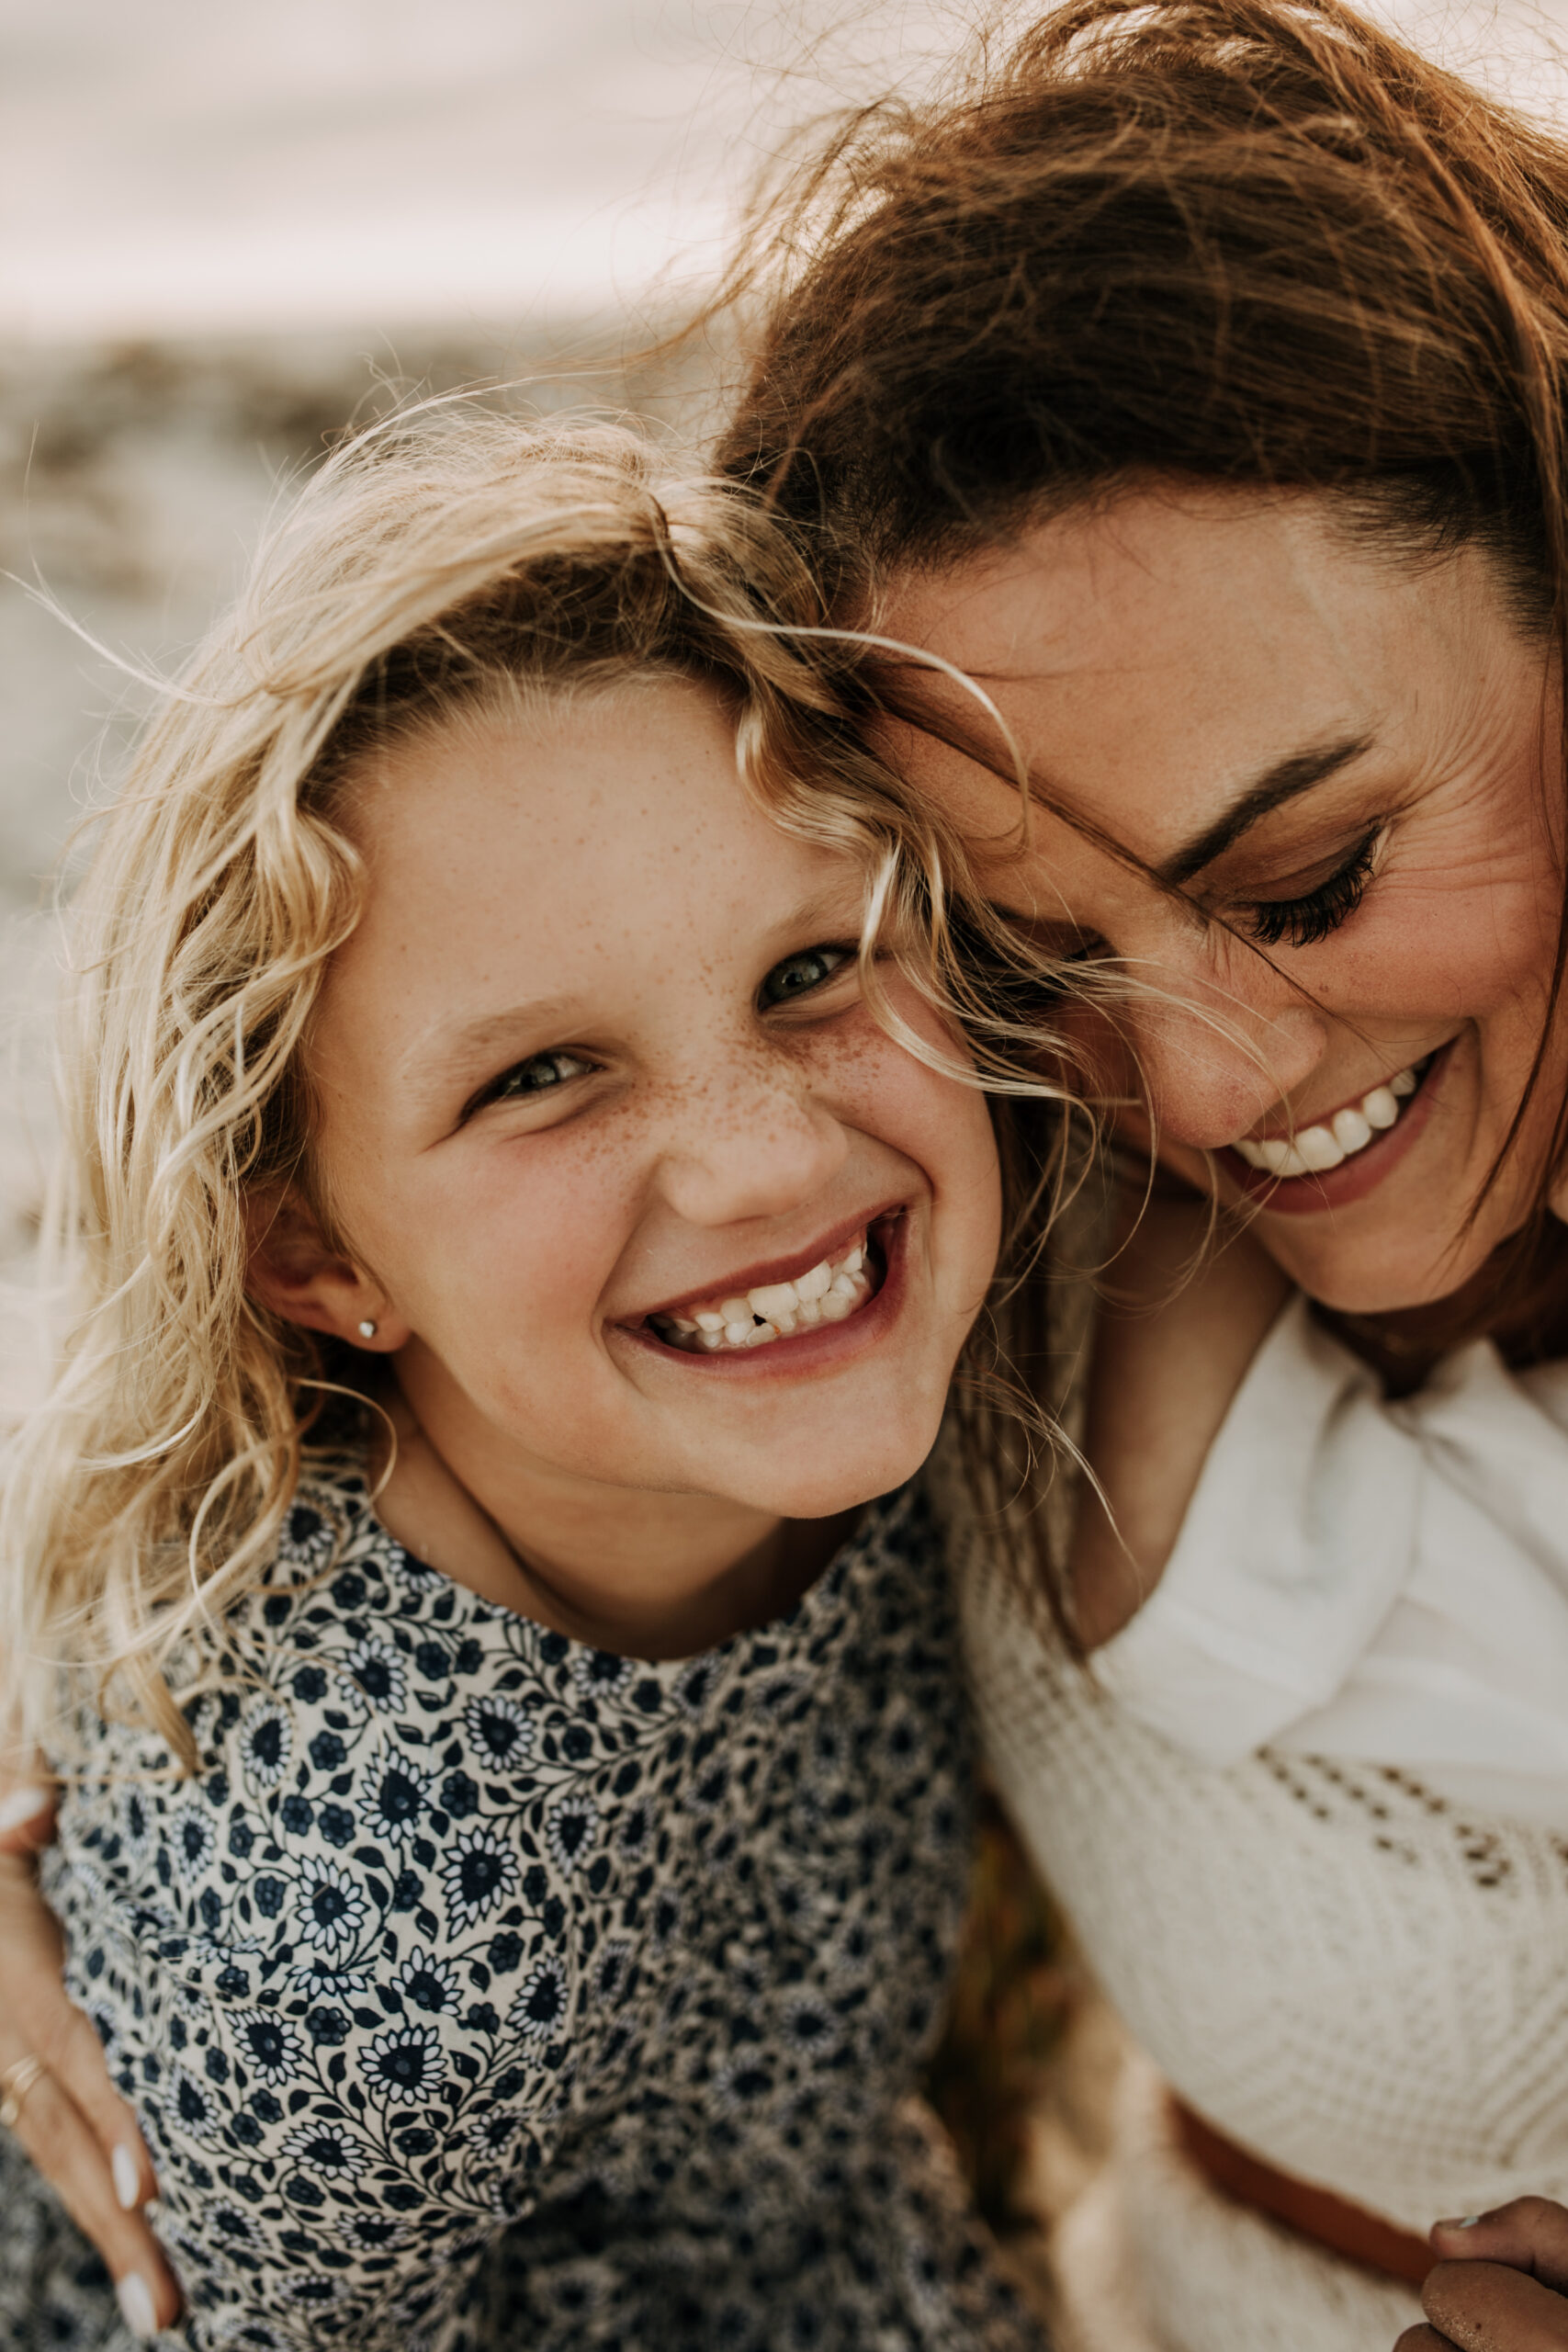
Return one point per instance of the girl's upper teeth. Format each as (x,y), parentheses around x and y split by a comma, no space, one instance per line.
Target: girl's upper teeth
(826,1293)
(1311,1150)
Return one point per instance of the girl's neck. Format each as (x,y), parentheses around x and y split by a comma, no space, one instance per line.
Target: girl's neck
(657,1576)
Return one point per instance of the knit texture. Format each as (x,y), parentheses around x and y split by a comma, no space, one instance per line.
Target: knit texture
(1149,2259)
(1355,1980)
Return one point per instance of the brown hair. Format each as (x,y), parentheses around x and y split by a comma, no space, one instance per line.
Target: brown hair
(1245,241)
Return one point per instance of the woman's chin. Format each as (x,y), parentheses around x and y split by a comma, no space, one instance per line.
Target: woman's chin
(1380,1275)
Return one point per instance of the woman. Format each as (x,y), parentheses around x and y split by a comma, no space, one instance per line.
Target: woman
(1195,382)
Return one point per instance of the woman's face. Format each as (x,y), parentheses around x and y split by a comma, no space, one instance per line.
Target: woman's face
(1350,764)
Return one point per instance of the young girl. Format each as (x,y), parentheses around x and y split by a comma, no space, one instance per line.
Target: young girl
(515,1769)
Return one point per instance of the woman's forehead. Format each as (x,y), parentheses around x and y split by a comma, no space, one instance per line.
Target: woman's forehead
(1170,653)
(1178,560)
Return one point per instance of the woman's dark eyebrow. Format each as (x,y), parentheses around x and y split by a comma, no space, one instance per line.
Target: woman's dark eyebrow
(1278,783)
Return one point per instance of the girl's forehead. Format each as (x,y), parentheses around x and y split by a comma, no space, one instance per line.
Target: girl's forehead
(565,848)
(560,779)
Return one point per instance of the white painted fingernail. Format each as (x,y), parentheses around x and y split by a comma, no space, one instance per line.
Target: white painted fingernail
(135,2299)
(127,2178)
(21,1805)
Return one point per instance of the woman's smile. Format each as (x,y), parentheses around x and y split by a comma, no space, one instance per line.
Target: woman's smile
(1295,802)
(1327,1163)
(1309,1146)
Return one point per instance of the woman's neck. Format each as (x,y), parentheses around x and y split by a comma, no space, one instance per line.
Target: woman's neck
(1519,1300)
(655,1576)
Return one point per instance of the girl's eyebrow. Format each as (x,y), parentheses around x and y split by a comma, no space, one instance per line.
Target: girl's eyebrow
(498,1028)
(1284,781)
(487,1033)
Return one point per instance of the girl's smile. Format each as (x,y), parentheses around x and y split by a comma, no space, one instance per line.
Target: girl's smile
(768,1303)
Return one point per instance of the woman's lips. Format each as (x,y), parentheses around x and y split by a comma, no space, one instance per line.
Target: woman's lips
(1341,1135)
(1333,1188)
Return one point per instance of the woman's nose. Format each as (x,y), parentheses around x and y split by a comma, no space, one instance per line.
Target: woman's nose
(757,1146)
(1214,1067)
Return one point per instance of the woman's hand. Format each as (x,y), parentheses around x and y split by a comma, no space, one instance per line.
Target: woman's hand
(1500,2284)
(69,2118)
(1187,1307)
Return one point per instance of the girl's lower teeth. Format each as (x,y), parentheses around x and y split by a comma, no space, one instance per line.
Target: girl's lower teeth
(1311,1151)
(827,1293)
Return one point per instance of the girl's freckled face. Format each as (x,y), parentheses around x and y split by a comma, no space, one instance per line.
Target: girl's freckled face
(559,1090)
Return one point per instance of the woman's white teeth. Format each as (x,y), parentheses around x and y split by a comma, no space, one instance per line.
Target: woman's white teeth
(826,1293)
(1312,1151)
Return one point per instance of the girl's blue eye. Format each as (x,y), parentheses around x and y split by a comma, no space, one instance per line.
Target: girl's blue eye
(798,975)
(538,1075)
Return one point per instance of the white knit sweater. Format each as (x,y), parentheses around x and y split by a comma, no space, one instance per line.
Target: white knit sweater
(1363,1984)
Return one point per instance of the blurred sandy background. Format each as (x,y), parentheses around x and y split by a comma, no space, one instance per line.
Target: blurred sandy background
(224,231)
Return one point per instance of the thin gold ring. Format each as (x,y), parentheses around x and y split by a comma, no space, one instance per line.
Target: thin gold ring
(18,2079)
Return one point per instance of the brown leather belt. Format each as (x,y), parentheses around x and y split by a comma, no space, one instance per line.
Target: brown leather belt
(1316,2213)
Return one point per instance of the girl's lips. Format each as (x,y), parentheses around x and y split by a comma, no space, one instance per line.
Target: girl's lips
(771,1270)
(823,1349)
(1336,1188)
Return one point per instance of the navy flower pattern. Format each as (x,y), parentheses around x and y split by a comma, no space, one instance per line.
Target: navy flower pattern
(485,1990)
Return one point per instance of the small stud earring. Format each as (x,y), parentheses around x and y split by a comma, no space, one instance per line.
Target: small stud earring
(367,1330)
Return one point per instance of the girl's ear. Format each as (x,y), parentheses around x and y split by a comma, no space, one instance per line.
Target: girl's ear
(293,1271)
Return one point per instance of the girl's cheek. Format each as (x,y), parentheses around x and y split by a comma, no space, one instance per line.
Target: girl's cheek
(530,1228)
(876,1084)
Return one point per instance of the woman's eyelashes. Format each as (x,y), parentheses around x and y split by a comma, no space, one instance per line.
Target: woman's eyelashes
(1313,915)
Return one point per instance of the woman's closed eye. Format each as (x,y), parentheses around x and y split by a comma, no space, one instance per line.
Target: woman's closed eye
(1309,916)
(805,974)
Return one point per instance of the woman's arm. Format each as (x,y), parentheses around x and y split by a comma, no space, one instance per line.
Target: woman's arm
(74,2126)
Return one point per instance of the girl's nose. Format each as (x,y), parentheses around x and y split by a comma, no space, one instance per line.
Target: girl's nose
(757,1148)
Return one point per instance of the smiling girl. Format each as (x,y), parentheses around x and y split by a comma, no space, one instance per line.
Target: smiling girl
(515,1770)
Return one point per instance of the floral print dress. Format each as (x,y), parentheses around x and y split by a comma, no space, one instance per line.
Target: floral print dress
(484,1989)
